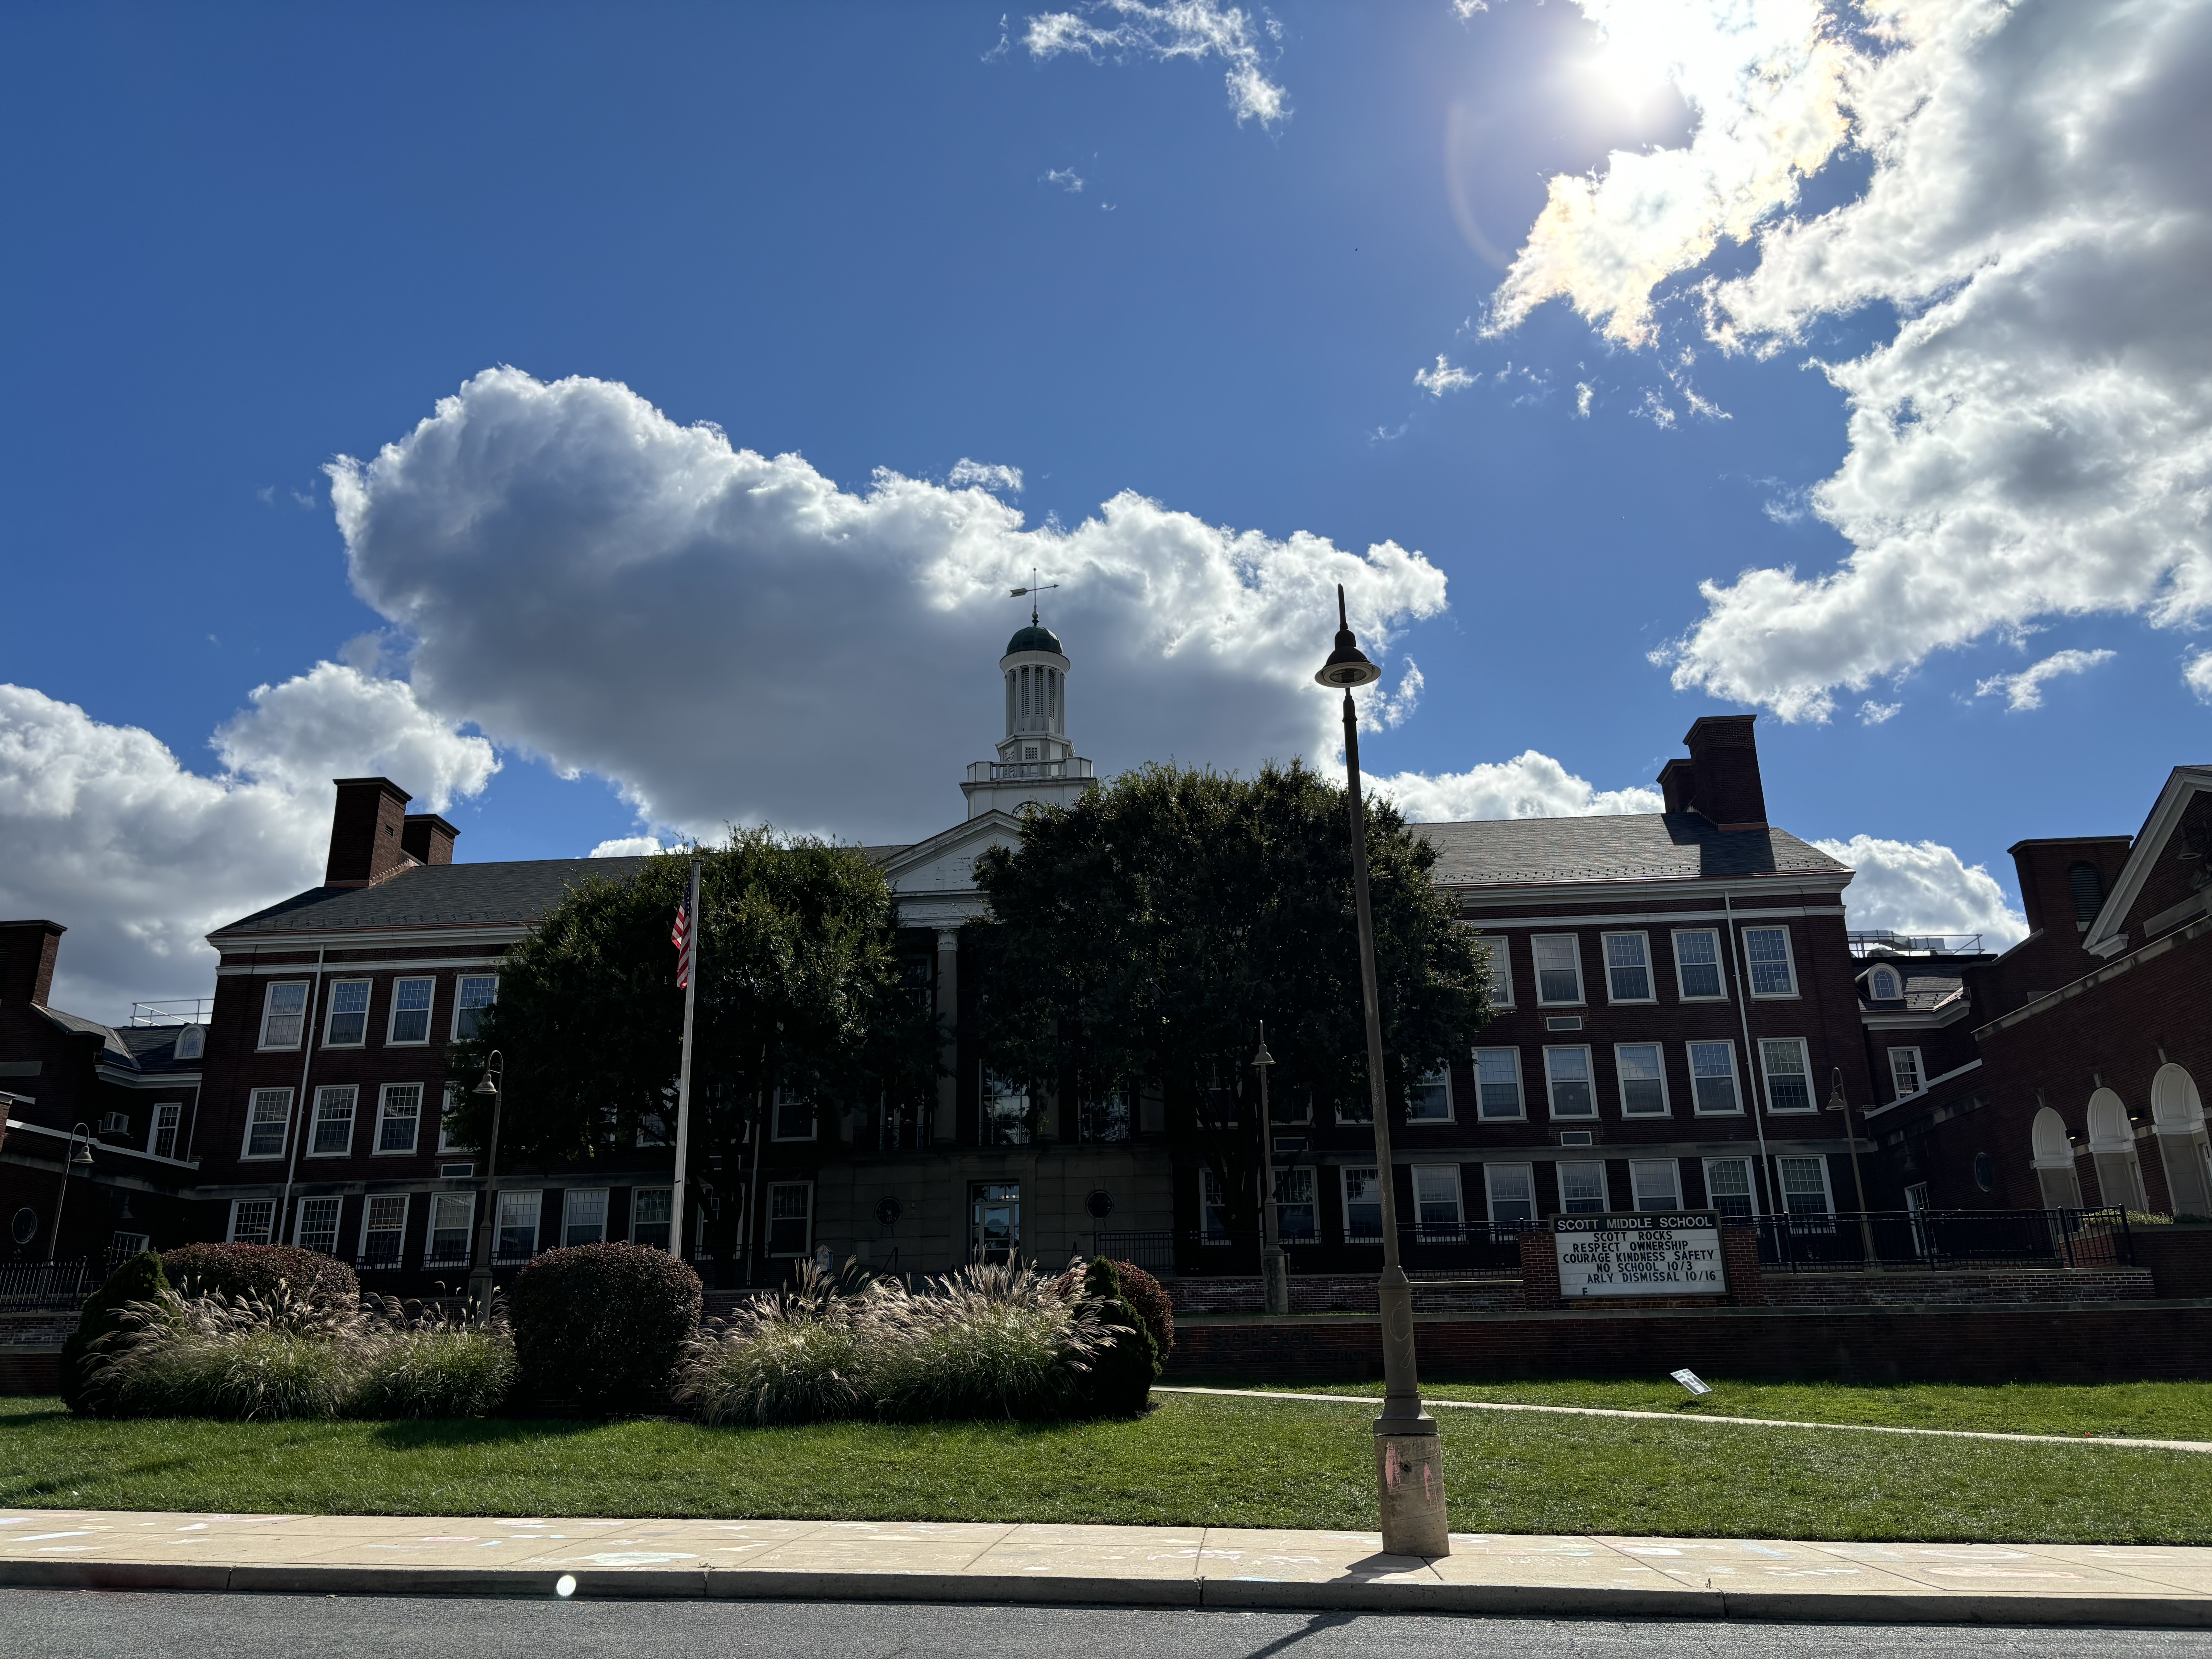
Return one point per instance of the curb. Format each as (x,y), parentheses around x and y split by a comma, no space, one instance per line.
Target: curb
(1516,1601)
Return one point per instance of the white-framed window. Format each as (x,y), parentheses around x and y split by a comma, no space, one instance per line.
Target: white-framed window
(517,1236)
(1436,1196)
(1297,1213)
(192,1043)
(1805,1186)
(1559,968)
(1501,970)
(1883,986)
(251,1219)
(409,1024)
(1497,1086)
(794,1117)
(473,994)
(1643,1068)
(451,1216)
(268,1115)
(453,1105)
(1363,1206)
(1766,962)
(1006,1112)
(1429,1098)
(790,1218)
(1628,968)
(123,1244)
(1713,1092)
(1567,1083)
(345,1021)
(331,1134)
(1729,1188)
(1905,1071)
(1788,1074)
(169,1120)
(316,1226)
(383,1228)
(1698,965)
(1212,1209)
(1657,1183)
(283,1014)
(649,1212)
(1510,1191)
(398,1117)
(584,1215)
(1583,1189)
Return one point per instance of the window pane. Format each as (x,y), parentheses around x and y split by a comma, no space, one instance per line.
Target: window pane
(333,1122)
(649,1211)
(250,1220)
(1656,1184)
(411,1010)
(1766,954)
(1728,1185)
(1581,1190)
(1363,1206)
(1501,973)
(402,1106)
(1789,1084)
(1569,1072)
(165,1120)
(349,1013)
(1512,1192)
(1643,1080)
(1712,1077)
(1212,1209)
(1296,1214)
(450,1216)
(384,1229)
(790,1209)
(1006,1113)
(474,993)
(1559,968)
(1428,1100)
(584,1217)
(1905,1068)
(1698,962)
(1628,971)
(283,1014)
(1497,1082)
(518,1225)
(794,1117)
(264,1131)
(1435,1195)
(318,1225)
(1804,1185)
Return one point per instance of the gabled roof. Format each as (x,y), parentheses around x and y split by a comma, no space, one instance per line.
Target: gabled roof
(1630,847)
(434,896)
(2104,936)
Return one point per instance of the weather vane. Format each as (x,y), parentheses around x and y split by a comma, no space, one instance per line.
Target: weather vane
(1031,592)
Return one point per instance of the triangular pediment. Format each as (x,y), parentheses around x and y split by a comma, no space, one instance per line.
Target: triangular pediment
(946,861)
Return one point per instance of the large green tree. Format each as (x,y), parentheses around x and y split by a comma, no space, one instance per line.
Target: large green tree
(1137,939)
(799,991)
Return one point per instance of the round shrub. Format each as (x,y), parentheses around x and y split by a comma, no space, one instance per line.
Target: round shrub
(1152,1302)
(255,1271)
(1120,1380)
(138,1280)
(598,1327)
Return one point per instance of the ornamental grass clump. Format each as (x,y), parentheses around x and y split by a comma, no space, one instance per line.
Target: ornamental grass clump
(426,1361)
(802,1355)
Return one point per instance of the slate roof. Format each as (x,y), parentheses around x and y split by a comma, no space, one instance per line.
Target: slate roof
(1923,992)
(1632,847)
(435,896)
(129,1047)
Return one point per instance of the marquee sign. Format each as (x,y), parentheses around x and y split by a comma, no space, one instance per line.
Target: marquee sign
(1662,1253)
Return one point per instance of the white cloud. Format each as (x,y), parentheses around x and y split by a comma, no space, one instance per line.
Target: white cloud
(1442,378)
(981,475)
(2024,690)
(1873,713)
(628,847)
(139,858)
(1529,786)
(734,637)
(1923,888)
(1197,29)
(1066,178)
(2035,440)
(1582,395)
(2197,673)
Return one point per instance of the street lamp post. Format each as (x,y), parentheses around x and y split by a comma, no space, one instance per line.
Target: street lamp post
(492,1083)
(1837,1103)
(79,1156)
(1409,1467)
(1274,1271)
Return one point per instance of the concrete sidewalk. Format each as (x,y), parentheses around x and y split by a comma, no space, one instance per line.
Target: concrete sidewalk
(1129,1566)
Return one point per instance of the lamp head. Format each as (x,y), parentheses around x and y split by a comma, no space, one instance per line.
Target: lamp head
(82,1158)
(485,1087)
(1347,665)
(1836,1092)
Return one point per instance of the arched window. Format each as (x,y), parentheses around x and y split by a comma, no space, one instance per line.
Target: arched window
(2054,1162)
(2176,1112)
(2088,890)
(2112,1148)
(1882,985)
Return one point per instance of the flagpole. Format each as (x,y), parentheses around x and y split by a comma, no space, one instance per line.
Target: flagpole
(676,1240)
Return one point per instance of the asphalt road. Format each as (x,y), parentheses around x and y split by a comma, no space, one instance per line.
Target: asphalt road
(64,1623)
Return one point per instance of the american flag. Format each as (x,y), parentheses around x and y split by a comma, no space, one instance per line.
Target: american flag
(680,937)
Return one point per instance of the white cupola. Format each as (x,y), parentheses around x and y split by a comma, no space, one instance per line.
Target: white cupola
(1036,762)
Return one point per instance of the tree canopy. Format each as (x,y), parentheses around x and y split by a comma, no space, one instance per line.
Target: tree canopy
(1138,938)
(798,991)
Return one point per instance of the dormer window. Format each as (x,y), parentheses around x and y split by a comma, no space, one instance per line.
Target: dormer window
(2089,888)
(1882,985)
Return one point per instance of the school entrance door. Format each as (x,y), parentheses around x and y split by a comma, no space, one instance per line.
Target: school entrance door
(995,1222)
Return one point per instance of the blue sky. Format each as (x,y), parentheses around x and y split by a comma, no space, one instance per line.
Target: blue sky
(244,241)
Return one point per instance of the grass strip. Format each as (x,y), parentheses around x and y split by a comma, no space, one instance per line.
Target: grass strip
(1193,1461)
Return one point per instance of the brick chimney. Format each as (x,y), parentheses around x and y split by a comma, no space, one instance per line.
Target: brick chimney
(427,838)
(1719,779)
(2064,883)
(27,950)
(365,843)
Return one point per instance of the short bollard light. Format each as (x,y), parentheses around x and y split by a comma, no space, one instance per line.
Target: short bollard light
(565,1586)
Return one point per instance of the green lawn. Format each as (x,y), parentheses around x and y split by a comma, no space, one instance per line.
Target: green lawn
(1227,1462)
(2158,1411)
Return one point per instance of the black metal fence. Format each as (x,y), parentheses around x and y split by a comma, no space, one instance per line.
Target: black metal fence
(1485,1249)
(1909,1239)
(51,1286)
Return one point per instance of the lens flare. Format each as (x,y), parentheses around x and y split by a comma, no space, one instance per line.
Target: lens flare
(565,1586)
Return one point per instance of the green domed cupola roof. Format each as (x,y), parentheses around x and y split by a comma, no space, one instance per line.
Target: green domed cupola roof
(1035,637)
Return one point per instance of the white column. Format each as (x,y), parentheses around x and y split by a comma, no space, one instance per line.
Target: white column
(946,1126)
